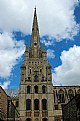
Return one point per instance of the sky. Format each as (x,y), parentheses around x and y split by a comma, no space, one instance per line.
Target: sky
(59,28)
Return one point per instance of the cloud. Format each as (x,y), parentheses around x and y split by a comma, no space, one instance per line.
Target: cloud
(56,18)
(11,51)
(50,53)
(47,42)
(68,73)
(5,85)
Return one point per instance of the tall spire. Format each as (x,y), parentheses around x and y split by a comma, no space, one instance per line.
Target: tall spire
(35,23)
(35,40)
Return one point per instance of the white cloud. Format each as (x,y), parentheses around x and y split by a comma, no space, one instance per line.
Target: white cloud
(68,73)
(10,51)
(5,85)
(56,18)
(47,43)
(50,53)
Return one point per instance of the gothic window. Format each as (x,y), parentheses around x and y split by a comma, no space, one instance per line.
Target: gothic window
(28,89)
(28,104)
(44,104)
(44,119)
(28,119)
(71,94)
(43,89)
(36,104)
(61,96)
(17,103)
(36,89)
(78,92)
(35,78)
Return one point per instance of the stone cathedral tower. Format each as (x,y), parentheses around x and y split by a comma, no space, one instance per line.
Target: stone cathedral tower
(36,89)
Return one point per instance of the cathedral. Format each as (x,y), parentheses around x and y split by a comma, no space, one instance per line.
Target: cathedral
(38,99)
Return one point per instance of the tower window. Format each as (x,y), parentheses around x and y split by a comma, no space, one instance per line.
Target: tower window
(28,104)
(40,70)
(28,89)
(28,78)
(42,78)
(36,104)
(44,104)
(36,89)
(30,71)
(43,89)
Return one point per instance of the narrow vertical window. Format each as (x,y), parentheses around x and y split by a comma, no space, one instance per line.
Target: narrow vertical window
(36,104)
(28,104)
(30,71)
(40,70)
(43,89)
(44,104)
(28,89)
(36,89)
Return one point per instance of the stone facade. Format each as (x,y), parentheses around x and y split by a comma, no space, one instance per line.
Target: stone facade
(3,104)
(36,89)
(39,100)
(8,111)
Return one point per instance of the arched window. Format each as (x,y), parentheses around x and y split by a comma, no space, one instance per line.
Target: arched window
(44,104)
(28,104)
(43,89)
(28,89)
(36,104)
(44,119)
(36,89)
(28,119)
(61,96)
(71,94)
(78,92)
